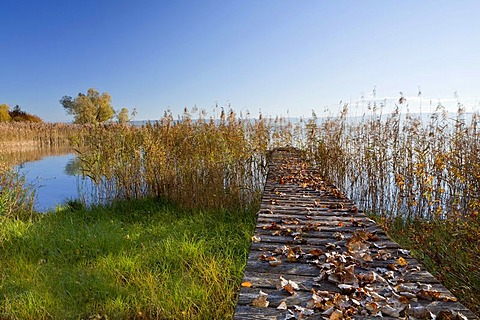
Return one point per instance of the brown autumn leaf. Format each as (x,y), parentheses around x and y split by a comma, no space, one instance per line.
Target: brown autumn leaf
(383,254)
(263,257)
(450,315)
(289,289)
(292,256)
(316,252)
(261,300)
(435,295)
(274,262)
(392,266)
(358,248)
(336,315)
(355,244)
(441,296)
(368,277)
(272,226)
(373,237)
(338,236)
(288,285)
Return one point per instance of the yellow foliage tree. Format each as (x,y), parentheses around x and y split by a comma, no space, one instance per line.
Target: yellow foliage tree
(90,108)
(4,113)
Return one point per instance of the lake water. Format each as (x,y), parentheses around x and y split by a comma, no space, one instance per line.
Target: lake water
(56,179)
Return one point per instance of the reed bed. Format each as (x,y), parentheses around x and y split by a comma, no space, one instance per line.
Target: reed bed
(400,165)
(24,135)
(396,164)
(419,177)
(202,163)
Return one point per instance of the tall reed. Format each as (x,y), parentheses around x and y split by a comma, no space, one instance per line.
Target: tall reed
(40,135)
(401,165)
(393,164)
(197,163)
(16,195)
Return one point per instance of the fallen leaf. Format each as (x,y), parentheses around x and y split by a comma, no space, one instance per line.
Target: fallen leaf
(435,295)
(441,296)
(373,237)
(256,239)
(291,256)
(338,236)
(316,252)
(392,266)
(383,255)
(247,284)
(368,277)
(289,289)
(261,300)
(402,262)
(346,288)
(450,315)
(390,311)
(282,306)
(336,315)
(303,311)
(419,312)
(274,262)
(288,285)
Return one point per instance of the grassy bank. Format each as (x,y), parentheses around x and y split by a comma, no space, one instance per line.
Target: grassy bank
(141,259)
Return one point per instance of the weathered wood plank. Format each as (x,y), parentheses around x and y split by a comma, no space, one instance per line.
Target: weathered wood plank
(314,253)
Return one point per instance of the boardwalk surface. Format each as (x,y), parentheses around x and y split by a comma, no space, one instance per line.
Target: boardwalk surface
(315,256)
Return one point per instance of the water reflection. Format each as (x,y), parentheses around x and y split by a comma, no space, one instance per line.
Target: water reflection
(55,173)
(55,180)
(19,155)
(73,167)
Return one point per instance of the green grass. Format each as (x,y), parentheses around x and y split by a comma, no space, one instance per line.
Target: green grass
(142,259)
(450,250)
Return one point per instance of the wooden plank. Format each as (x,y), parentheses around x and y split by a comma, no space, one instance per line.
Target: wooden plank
(312,249)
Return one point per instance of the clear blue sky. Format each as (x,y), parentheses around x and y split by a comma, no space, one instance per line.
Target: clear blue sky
(272,55)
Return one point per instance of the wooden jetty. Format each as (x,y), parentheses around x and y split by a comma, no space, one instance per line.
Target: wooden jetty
(314,255)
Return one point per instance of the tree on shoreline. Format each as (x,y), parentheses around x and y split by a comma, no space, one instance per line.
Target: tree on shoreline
(90,108)
(122,116)
(4,113)
(16,115)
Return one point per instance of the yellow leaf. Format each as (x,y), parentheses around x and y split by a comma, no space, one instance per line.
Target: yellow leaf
(402,262)
(247,284)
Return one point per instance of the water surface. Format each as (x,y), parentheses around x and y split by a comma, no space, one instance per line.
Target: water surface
(56,179)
